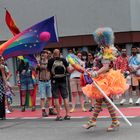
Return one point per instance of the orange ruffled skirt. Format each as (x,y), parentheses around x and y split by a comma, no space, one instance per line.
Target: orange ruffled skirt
(112,83)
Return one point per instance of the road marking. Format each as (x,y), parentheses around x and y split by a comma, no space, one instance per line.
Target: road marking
(11,118)
(134,107)
(47,118)
(30,118)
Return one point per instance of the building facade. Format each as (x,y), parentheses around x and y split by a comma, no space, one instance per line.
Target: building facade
(77,19)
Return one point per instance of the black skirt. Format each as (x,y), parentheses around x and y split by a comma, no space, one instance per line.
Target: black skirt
(2,99)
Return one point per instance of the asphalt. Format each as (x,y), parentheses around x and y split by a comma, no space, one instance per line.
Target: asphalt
(49,129)
(41,129)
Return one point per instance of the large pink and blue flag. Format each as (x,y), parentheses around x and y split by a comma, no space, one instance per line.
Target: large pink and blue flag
(28,41)
(15,30)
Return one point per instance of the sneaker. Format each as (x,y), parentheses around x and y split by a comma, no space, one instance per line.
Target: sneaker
(86,102)
(138,101)
(72,110)
(7,111)
(134,92)
(33,108)
(67,117)
(84,110)
(130,101)
(111,99)
(44,113)
(122,101)
(91,109)
(3,118)
(101,109)
(89,124)
(11,109)
(113,126)
(52,112)
(59,118)
(23,109)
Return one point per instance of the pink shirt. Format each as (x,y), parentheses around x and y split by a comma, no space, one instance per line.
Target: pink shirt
(122,63)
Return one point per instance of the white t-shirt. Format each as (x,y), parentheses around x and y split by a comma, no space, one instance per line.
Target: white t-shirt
(135,63)
(76,73)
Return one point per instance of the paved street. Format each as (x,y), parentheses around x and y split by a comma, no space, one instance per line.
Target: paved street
(30,125)
(48,129)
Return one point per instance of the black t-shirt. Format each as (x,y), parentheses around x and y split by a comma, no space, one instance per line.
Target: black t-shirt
(0,73)
(89,64)
(50,64)
(22,66)
(97,64)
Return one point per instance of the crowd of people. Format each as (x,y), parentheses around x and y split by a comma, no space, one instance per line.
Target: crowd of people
(52,80)
(130,67)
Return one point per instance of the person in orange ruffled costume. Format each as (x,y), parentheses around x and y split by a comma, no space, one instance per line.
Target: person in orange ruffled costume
(112,82)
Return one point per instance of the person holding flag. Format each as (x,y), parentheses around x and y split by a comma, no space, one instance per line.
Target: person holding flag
(30,100)
(30,41)
(112,82)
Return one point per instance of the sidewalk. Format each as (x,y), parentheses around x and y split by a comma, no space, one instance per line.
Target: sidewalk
(16,101)
(130,111)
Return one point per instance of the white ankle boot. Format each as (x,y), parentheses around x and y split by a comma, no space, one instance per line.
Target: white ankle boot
(138,101)
(130,101)
(122,101)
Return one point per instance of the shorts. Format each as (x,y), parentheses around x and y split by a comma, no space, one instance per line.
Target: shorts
(59,86)
(44,89)
(26,84)
(75,85)
(129,80)
(135,80)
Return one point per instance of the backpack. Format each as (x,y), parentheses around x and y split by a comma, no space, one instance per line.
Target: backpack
(58,69)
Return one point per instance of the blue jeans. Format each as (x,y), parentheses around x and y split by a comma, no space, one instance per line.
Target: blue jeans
(44,89)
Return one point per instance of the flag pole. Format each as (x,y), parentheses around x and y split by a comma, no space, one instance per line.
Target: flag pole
(108,99)
(105,96)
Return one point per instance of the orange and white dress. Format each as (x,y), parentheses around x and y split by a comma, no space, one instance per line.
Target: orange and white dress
(111,82)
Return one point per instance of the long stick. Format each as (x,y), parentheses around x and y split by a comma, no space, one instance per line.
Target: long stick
(108,99)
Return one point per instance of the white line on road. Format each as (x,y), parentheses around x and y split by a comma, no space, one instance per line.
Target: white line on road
(47,118)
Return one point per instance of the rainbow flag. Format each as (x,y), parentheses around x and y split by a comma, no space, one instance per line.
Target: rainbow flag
(15,30)
(11,23)
(28,42)
(31,59)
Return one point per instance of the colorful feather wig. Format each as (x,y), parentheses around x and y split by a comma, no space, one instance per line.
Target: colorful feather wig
(104,36)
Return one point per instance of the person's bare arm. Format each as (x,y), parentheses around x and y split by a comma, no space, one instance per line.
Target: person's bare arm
(138,68)
(104,69)
(3,74)
(70,69)
(9,74)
